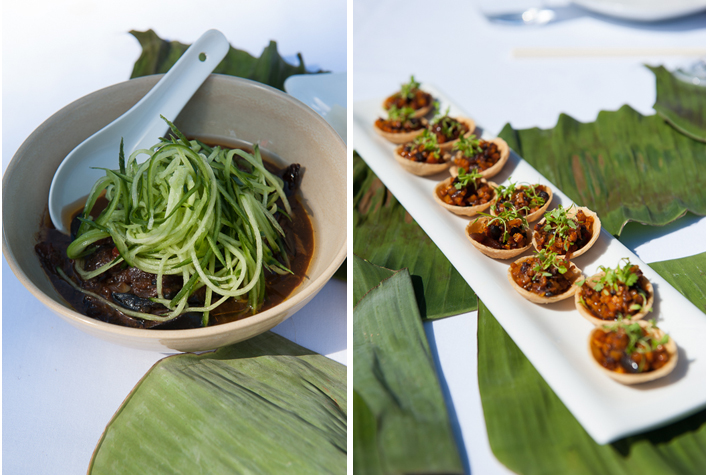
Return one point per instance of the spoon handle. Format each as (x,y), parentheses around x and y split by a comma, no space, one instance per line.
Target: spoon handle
(175,88)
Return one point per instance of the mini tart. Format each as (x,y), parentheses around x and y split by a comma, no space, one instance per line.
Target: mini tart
(421,168)
(573,275)
(596,229)
(497,167)
(400,137)
(421,112)
(645,284)
(476,226)
(534,216)
(470,123)
(638,378)
(461,210)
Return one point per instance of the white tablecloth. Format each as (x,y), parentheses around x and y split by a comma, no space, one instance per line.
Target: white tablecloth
(60,386)
(480,65)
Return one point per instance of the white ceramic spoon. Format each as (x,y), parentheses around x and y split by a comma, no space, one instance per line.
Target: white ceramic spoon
(140,127)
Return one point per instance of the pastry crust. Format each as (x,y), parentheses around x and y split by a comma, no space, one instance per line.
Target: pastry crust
(638,378)
(497,167)
(596,229)
(399,138)
(573,271)
(476,226)
(532,217)
(645,283)
(421,168)
(461,210)
(471,124)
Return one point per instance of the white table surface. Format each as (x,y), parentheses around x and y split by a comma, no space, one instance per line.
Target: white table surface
(481,69)
(60,386)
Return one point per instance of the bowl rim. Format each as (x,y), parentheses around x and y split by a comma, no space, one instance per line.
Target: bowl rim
(313,286)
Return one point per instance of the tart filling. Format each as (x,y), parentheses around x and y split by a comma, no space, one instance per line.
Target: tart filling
(544,274)
(507,231)
(476,153)
(447,128)
(526,199)
(627,349)
(466,189)
(621,292)
(400,121)
(566,231)
(410,96)
(423,149)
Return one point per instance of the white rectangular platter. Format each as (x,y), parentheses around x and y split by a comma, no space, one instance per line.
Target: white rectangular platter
(553,337)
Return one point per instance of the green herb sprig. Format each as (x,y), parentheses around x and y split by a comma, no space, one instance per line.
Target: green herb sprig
(470,146)
(557,222)
(409,89)
(504,218)
(401,114)
(548,260)
(428,139)
(640,340)
(464,179)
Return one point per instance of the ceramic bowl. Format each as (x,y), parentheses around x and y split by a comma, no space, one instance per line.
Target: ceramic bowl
(224,107)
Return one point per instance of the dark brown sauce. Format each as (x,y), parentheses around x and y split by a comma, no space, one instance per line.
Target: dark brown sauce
(52,245)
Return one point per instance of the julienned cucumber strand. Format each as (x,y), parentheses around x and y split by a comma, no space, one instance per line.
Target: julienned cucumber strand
(204,213)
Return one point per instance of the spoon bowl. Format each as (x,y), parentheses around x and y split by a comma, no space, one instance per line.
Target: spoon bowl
(139,127)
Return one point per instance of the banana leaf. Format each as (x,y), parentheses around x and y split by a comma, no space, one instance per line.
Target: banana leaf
(265,405)
(687,275)
(159,55)
(536,434)
(386,235)
(367,276)
(400,423)
(680,103)
(624,166)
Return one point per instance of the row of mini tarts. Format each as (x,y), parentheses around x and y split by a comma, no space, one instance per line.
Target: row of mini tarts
(427,169)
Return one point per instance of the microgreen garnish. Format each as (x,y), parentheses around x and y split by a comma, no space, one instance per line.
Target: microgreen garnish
(640,341)
(400,113)
(504,218)
(428,140)
(620,275)
(549,260)
(470,145)
(557,222)
(408,90)
(464,179)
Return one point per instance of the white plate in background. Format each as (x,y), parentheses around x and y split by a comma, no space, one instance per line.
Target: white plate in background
(643,10)
(326,93)
(553,337)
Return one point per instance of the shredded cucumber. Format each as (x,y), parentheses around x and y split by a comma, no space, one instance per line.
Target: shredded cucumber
(207,214)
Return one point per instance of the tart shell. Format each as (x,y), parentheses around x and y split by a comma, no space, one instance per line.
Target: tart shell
(421,168)
(638,378)
(398,138)
(596,229)
(461,210)
(645,283)
(497,167)
(535,298)
(477,226)
(532,217)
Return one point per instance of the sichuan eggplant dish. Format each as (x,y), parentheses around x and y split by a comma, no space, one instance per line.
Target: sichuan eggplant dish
(526,199)
(630,347)
(564,234)
(544,274)
(620,292)
(466,189)
(476,153)
(447,129)
(195,235)
(410,96)
(400,121)
(423,149)
(505,231)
